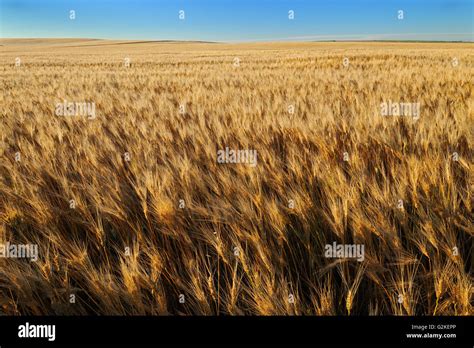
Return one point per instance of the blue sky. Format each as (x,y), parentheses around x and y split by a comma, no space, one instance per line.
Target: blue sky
(234,20)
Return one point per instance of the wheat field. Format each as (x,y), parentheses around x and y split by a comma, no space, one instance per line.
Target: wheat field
(133,214)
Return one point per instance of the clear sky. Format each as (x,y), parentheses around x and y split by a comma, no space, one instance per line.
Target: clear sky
(239,20)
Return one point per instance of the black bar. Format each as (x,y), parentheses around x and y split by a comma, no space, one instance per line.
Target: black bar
(225,330)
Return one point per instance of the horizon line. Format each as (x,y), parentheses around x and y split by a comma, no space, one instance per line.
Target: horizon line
(295,40)
(418,37)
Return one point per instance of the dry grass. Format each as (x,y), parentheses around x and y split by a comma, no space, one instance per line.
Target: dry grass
(190,251)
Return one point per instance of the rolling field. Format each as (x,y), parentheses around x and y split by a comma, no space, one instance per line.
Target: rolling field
(206,178)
